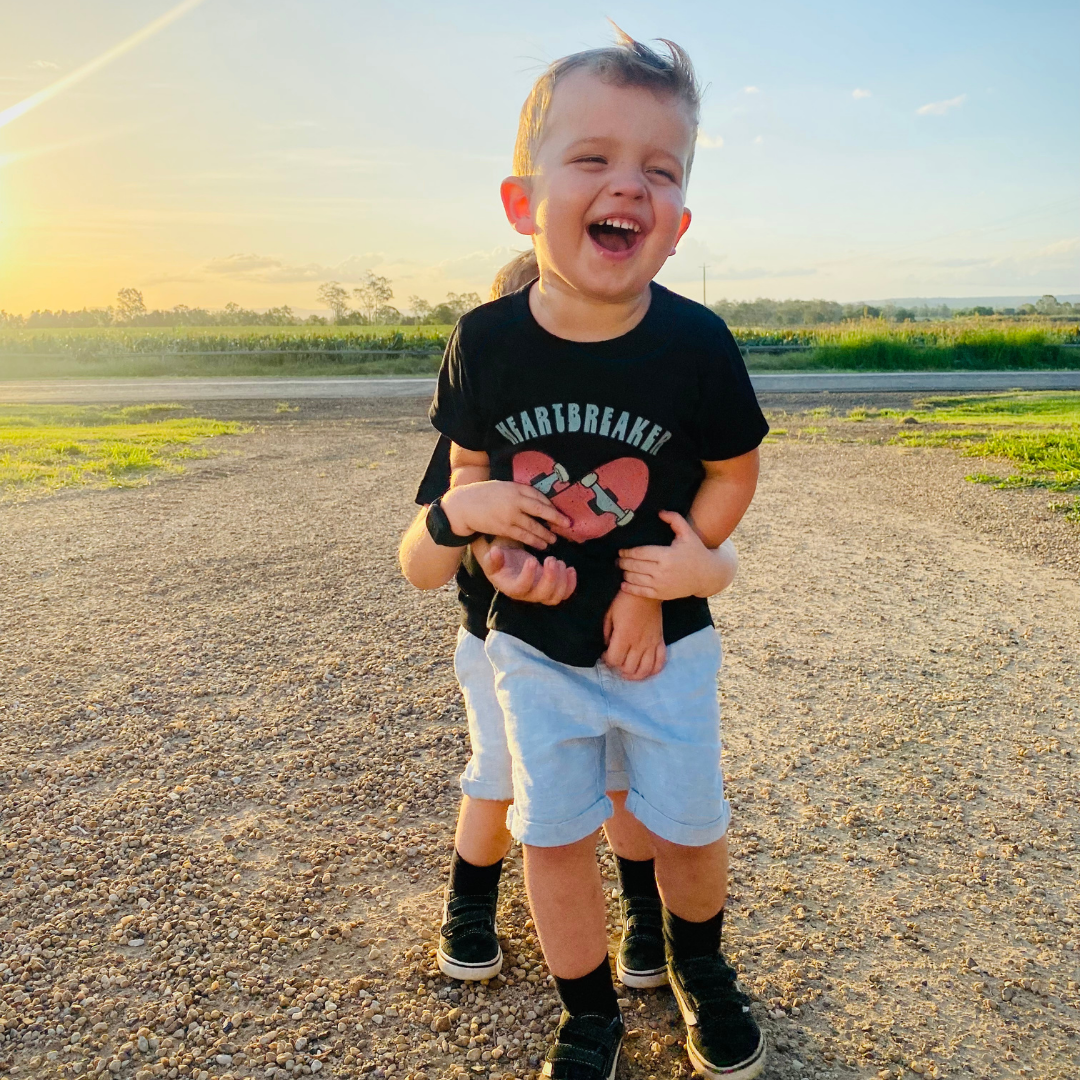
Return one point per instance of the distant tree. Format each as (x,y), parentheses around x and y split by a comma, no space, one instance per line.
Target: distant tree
(335,298)
(1027,309)
(453,307)
(1048,305)
(129,305)
(315,320)
(420,308)
(373,295)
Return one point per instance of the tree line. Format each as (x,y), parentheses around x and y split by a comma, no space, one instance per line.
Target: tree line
(763,312)
(369,305)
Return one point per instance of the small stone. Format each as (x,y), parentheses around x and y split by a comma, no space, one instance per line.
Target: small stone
(300,1044)
(315,1065)
(224,1059)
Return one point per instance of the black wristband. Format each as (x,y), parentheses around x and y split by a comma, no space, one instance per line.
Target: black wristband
(440,529)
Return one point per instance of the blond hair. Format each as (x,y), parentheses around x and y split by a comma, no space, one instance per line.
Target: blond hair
(626,63)
(516,274)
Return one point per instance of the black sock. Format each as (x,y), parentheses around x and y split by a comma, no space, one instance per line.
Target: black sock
(593,993)
(636,877)
(689,939)
(469,880)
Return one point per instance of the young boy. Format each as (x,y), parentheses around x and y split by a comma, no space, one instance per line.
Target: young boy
(469,947)
(618,399)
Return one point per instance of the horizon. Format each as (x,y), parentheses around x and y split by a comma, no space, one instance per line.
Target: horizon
(207,152)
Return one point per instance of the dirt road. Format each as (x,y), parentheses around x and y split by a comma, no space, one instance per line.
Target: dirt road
(229,737)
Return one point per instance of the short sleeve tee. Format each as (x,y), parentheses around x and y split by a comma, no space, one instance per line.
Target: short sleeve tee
(611,431)
(475,592)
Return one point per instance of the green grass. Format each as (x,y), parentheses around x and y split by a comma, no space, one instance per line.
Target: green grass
(855,345)
(44,448)
(1038,434)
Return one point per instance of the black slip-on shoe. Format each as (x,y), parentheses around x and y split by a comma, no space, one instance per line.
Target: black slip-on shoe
(468,946)
(586,1047)
(641,962)
(723,1039)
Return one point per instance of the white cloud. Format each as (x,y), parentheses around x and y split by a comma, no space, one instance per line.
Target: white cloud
(751,90)
(710,142)
(940,108)
(44,65)
(1061,247)
(269,270)
(759,139)
(858,93)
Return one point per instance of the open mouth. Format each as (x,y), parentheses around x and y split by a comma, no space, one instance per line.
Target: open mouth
(615,234)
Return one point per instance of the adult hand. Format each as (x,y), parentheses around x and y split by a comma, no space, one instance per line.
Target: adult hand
(502,508)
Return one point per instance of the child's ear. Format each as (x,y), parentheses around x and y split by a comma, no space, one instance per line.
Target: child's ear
(515,199)
(683,226)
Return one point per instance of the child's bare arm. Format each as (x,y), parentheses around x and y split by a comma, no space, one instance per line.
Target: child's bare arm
(686,567)
(423,562)
(723,497)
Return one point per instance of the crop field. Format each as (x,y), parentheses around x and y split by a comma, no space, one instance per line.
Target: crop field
(44,448)
(863,345)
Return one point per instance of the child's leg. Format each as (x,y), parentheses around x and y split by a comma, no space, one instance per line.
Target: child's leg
(482,837)
(469,947)
(556,719)
(567,899)
(641,961)
(671,730)
(692,880)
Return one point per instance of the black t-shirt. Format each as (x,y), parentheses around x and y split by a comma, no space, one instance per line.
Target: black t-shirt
(611,431)
(475,592)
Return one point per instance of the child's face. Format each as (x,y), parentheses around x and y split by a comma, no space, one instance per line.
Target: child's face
(614,155)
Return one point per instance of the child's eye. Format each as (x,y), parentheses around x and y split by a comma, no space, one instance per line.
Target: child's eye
(666,173)
(590,159)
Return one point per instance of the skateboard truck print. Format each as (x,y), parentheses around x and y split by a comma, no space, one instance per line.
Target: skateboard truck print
(603,502)
(545,484)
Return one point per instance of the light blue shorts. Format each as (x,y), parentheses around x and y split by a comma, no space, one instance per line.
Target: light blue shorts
(557,718)
(488,774)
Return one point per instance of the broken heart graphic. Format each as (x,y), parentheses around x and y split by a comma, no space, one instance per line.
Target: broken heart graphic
(597,503)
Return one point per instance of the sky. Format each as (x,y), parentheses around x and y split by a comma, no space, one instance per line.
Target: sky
(249,150)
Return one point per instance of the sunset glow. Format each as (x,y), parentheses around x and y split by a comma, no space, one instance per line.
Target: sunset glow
(251,152)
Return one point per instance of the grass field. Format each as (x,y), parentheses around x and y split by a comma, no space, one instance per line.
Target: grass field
(1037,434)
(44,448)
(866,345)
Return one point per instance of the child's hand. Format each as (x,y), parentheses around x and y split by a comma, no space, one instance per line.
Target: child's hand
(518,574)
(502,508)
(685,568)
(634,632)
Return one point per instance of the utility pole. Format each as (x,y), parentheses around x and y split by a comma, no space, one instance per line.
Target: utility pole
(704,267)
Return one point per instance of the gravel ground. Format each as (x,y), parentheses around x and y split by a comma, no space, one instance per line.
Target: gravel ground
(229,738)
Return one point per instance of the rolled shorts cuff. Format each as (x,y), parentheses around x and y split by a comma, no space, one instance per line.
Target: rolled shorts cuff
(678,832)
(557,834)
(491,790)
(617,781)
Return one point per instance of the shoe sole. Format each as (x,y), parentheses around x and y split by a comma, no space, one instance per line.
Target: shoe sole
(745,1070)
(470,972)
(641,980)
(546,1071)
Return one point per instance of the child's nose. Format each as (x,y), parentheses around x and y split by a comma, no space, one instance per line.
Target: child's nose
(629,185)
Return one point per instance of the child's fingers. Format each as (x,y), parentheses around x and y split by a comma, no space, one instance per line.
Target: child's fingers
(646,553)
(533,538)
(646,591)
(640,566)
(541,508)
(531,525)
(640,579)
